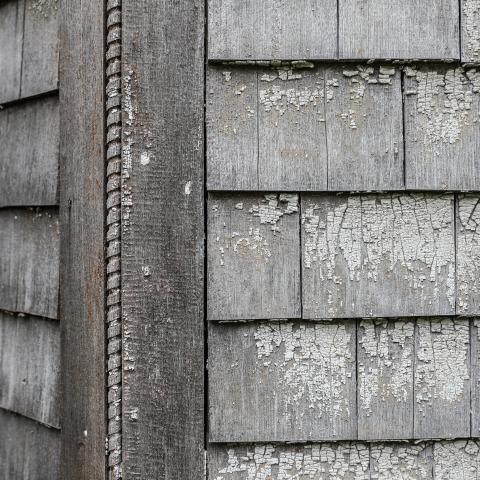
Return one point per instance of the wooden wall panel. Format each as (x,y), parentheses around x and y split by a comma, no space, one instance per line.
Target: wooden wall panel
(475,380)
(40,47)
(411,29)
(11,39)
(29,242)
(282,381)
(364,128)
(248,29)
(30,367)
(29,153)
(253,257)
(468,254)
(384,255)
(442,378)
(163,239)
(28,450)
(470,31)
(442,145)
(385,356)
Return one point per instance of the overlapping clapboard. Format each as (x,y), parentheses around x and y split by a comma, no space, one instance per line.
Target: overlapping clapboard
(29,240)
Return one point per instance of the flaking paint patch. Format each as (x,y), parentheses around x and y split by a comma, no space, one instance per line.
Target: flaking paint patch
(368,233)
(468,254)
(471,25)
(315,366)
(312,462)
(388,346)
(444,103)
(459,460)
(43,8)
(442,369)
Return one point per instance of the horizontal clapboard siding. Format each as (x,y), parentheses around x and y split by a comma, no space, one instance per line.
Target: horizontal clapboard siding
(28,450)
(441,460)
(30,367)
(29,153)
(341,380)
(29,242)
(28,48)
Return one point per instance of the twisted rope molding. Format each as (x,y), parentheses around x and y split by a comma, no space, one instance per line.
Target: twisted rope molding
(113,237)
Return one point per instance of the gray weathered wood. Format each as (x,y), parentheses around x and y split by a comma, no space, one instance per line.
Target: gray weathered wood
(253,257)
(82,285)
(249,29)
(457,460)
(385,356)
(30,367)
(28,450)
(29,242)
(470,31)
(40,47)
(468,254)
(442,145)
(318,461)
(232,129)
(282,381)
(29,153)
(163,239)
(11,39)
(475,373)
(442,378)
(404,29)
(291,130)
(378,255)
(364,128)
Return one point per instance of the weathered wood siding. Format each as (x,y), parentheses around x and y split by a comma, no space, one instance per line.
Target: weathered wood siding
(29,241)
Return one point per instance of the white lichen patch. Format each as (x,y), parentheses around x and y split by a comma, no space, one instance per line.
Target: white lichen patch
(471,26)
(312,462)
(459,460)
(468,254)
(442,369)
(314,361)
(400,461)
(387,370)
(362,238)
(444,103)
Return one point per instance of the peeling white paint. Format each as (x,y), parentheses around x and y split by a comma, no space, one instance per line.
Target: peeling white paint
(188,188)
(144,158)
(471,25)
(43,8)
(315,366)
(273,207)
(442,368)
(389,372)
(459,460)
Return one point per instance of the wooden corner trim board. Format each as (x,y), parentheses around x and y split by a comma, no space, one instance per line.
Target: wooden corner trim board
(113,237)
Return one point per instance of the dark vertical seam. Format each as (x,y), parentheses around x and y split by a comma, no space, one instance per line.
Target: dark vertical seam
(460,41)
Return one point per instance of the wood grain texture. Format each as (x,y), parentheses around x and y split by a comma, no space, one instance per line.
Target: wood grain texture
(29,153)
(468,254)
(29,242)
(364,128)
(11,39)
(30,367)
(40,47)
(253,257)
(385,356)
(442,145)
(331,461)
(232,128)
(82,285)
(248,29)
(163,239)
(399,29)
(28,450)
(442,378)
(282,381)
(470,31)
(291,130)
(378,255)
(475,373)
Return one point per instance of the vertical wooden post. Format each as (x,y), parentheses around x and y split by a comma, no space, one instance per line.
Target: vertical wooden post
(82,285)
(163,239)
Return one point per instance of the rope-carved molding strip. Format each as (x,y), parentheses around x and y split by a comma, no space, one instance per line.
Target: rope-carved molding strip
(113,208)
